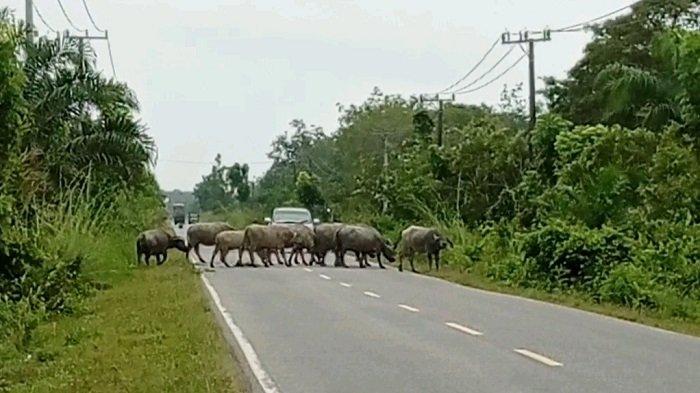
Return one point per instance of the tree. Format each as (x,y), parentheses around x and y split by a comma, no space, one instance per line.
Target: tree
(223,185)
(307,190)
(654,98)
(237,178)
(422,124)
(212,192)
(627,41)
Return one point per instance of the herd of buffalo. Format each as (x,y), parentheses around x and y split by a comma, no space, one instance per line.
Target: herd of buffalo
(272,240)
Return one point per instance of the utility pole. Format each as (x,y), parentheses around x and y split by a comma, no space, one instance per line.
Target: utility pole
(29,17)
(440,101)
(29,14)
(81,44)
(529,37)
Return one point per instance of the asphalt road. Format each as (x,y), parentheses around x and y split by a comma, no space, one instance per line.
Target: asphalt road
(329,329)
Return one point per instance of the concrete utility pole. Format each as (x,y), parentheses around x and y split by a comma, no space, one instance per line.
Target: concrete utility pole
(529,37)
(440,101)
(81,44)
(29,14)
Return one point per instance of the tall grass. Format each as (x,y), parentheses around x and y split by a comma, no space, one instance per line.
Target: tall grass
(65,249)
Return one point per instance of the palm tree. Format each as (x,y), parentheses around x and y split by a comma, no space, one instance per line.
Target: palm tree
(78,119)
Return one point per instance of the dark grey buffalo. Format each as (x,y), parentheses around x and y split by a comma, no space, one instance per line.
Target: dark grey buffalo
(415,239)
(324,241)
(157,242)
(363,240)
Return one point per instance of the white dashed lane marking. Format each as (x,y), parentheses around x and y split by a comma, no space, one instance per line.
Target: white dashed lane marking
(371,294)
(540,358)
(308,270)
(408,308)
(463,329)
(323,276)
(346,285)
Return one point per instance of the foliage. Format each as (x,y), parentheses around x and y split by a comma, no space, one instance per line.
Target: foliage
(222,186)
(307,190)
(74,171)
(635,71)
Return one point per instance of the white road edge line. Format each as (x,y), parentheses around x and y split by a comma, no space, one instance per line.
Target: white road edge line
(371,294)
(538,357)
(323,276)
(463,329)
(308,270)
(408,308)
(346,285)
(264,379)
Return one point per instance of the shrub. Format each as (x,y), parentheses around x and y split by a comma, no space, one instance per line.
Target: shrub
(565,255)
(628,285)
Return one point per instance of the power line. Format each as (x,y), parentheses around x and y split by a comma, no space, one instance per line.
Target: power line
(576,26)
(485,74)
(473,68)
(92,20)
(67,17)
(111,58)
(496,78)
(41,17)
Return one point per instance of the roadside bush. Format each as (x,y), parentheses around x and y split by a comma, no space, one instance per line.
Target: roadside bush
(629,285)
(565,255)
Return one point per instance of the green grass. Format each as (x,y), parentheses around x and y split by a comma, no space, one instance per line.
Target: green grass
(577,300)
(152,331)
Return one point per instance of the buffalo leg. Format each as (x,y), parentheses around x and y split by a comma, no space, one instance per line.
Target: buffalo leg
(379,260)
(400,262)
(413,269)
(240,257)
(430,261)
(284,256)
(196,251)
(437,261)
(213,254)
(252,258)
(222,256)
(165,257)
(147,259)
(340,259)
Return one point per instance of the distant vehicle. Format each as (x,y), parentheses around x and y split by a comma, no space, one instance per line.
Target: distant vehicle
(192,217)
(179,214)
(292,215)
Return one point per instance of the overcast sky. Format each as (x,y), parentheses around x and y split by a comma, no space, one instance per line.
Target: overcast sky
(228,76)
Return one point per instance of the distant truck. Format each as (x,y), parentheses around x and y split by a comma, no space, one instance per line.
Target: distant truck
(292,215)
(192,218)
(179,214)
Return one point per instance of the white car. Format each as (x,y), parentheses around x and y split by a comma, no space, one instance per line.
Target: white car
(292,215)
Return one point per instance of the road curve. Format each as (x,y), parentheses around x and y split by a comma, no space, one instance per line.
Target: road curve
(325,329)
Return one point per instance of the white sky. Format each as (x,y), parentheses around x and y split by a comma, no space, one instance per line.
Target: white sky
(228,76)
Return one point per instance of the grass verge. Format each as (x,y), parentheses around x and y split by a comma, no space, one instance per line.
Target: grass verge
(152,332)
(575,300)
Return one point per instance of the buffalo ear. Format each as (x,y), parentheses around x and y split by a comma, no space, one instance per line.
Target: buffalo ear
(436,237)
